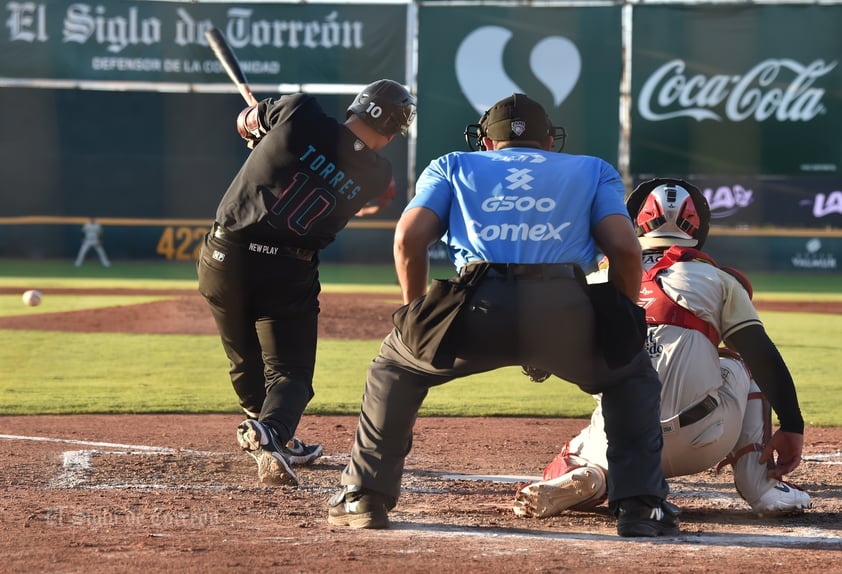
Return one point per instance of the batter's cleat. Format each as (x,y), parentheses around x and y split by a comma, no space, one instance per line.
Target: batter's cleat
(636,518)
(299,453)
(580,488)
(261,442)
(782,499)
(357,507)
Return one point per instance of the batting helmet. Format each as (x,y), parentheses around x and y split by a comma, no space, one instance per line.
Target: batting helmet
(386,106)
(669,212)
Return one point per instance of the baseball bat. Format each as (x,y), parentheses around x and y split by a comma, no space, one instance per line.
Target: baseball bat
(230,63)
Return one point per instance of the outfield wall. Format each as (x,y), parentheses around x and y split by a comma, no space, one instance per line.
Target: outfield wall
(795,251)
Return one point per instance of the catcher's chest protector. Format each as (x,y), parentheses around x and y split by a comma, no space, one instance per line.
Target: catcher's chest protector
(660,309)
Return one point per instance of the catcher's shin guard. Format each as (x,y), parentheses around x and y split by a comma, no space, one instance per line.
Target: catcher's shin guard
(766,496)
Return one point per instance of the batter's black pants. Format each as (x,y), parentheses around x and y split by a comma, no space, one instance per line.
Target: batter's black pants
(266,310)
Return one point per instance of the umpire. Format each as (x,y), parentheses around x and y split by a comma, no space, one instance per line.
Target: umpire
(521,224)
(306,176)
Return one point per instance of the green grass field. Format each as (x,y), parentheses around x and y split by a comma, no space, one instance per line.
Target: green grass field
(58,372)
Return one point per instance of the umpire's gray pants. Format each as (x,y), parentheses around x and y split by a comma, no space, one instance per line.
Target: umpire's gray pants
(548,324)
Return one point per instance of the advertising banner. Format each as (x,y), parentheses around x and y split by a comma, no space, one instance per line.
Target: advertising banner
(811,254)
(148,41)
(569,59)
(748,89)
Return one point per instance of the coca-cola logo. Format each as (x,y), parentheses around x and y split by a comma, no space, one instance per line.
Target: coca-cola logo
(780,89)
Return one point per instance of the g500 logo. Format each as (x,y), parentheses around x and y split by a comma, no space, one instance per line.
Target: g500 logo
(555,61)
(518,203)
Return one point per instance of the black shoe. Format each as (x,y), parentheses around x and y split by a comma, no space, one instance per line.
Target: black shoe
(358,508)
(638,519)
(273,465)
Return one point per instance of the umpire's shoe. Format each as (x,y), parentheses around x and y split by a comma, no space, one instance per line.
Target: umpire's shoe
(273,465)
(357,507)
(636,518)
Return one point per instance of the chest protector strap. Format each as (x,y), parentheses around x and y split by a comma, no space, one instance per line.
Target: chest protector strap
(660,309)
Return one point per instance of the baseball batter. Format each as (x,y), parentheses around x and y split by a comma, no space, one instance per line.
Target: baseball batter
(306,176)
(92,239)
(520,222)
(714,402)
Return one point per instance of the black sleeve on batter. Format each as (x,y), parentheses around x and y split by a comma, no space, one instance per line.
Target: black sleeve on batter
(770,373)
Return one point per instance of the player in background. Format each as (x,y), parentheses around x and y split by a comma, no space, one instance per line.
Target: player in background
(92,238)
(715,401)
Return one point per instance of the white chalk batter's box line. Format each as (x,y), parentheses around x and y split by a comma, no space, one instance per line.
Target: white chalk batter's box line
(77,464)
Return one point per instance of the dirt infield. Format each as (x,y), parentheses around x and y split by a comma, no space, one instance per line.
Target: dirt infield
(141,493)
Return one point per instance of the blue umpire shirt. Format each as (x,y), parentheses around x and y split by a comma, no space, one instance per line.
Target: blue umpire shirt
(520,205)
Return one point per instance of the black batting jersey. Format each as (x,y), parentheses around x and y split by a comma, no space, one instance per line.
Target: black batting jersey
(305,178)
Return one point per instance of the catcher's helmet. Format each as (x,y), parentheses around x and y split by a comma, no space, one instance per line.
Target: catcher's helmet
(517,117)
(386,106)
(669,212)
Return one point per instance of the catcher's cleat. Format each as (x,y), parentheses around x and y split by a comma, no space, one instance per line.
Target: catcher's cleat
(580,488)
(357,507)
(260,441)
(299,453)
(563,463)
(637,519)
(782,499)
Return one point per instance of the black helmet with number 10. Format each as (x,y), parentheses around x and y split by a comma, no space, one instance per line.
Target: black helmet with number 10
(386,106)
(668,212)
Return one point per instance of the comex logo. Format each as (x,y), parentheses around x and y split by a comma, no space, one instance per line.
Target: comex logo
(517,231)
(813,258)
(554,60)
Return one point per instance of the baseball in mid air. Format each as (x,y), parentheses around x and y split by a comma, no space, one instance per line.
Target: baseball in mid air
(32,298)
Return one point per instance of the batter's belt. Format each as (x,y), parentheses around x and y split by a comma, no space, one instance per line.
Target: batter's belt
(259,246)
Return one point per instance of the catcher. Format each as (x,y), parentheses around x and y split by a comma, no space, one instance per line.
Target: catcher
(714,401)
